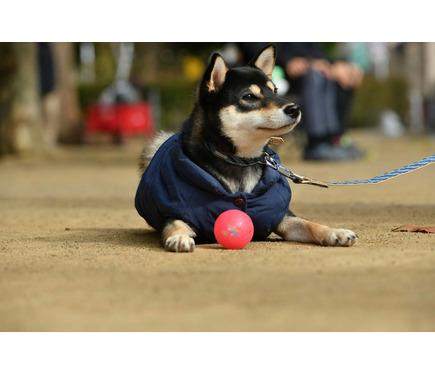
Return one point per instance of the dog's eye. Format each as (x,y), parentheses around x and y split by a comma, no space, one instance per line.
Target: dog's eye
(275,91)
(249,97)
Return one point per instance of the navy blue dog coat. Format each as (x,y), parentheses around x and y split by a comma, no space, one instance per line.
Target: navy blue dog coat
(173,187)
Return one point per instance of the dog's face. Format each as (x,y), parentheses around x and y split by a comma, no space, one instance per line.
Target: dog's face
(249,111)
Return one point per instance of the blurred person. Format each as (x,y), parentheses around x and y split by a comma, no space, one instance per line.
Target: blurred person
(50,99)
(325,88)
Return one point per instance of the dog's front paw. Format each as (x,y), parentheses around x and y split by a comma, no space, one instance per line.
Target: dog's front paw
(180,243)
(340,237)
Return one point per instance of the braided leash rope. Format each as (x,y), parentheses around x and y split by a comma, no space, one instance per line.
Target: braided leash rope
(386,176)
(375,180)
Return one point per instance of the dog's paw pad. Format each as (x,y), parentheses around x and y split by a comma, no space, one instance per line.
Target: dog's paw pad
(180,243)
(340,237)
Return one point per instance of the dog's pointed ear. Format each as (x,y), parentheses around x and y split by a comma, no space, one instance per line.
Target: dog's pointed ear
(214,76)
(265,60)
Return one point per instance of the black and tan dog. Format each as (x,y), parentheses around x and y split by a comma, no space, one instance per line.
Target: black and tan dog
(217,162)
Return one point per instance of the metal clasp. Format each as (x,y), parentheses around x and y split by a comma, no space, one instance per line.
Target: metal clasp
(297,179)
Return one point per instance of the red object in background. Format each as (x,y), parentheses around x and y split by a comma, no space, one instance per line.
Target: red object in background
(124,119)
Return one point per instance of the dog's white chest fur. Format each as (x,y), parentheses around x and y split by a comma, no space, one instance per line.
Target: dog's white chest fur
(246,184)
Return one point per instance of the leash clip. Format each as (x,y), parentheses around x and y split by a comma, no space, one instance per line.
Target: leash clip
(297,179)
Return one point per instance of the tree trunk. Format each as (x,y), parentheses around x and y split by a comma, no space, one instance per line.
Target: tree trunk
(70,121)
(21,122)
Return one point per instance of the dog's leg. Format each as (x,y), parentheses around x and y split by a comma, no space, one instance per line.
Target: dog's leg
(296,229)
(177,236)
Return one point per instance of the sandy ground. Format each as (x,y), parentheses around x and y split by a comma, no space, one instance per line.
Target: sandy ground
(75,255)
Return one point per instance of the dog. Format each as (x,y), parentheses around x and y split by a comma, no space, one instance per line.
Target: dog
(216,162)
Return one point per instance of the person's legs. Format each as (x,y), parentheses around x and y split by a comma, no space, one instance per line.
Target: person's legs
(344,105)
(320,117)
(319,108)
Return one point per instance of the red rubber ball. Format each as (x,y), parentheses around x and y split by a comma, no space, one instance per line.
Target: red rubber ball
(233,229)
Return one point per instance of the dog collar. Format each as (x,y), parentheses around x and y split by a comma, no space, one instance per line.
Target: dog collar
(266,160)
(241,162)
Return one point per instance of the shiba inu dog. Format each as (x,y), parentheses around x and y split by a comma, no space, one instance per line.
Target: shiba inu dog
(217,162)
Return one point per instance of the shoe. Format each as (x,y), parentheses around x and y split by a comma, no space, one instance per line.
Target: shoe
(351,148)
(325,152)
(333,152)
(354,152)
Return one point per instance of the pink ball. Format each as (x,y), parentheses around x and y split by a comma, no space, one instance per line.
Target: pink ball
(233,229)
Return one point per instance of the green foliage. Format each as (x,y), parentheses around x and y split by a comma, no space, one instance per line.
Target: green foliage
(375,96)
(331,49)
(177,98)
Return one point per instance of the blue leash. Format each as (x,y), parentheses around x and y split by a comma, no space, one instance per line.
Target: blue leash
(375,180)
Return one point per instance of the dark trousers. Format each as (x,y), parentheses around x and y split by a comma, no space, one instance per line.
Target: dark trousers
(325,107)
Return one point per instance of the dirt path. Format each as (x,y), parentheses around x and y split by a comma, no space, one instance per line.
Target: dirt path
(75,255)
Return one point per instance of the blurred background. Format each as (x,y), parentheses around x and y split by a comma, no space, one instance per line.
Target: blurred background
(88,93)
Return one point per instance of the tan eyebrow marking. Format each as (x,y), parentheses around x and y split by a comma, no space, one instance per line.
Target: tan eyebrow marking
(255,89)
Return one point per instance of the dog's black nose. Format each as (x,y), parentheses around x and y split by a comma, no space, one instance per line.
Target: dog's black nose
(292,110)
